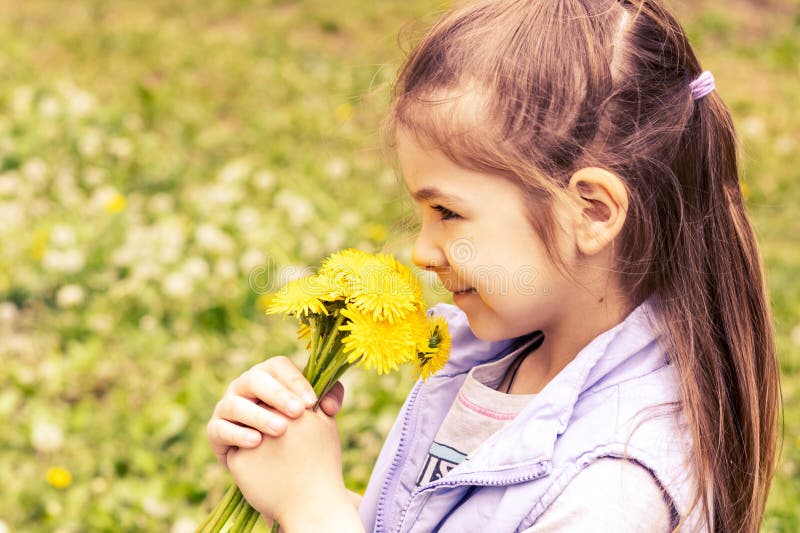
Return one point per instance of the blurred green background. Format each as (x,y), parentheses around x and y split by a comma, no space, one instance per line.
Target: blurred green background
(162,161)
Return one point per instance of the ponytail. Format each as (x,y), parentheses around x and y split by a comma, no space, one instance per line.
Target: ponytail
(724,349)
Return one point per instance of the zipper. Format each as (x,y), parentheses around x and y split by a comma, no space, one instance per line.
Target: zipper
(475,481)
(399,458)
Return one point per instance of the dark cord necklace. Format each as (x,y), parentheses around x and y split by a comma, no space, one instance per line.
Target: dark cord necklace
(517,364)
(518,361)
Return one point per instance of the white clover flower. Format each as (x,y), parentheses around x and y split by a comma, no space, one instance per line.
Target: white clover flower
(79,102)
(225,268)
(70,296)
(248,218)
(12,215)
(35,170)
(178,285)
(155,507)
(98,485)
(251,259)
(196,268)
(168,240)
(235,171)
(784,145)
(62,236)
(213,239)
(795,334)
(46,436)
(90,143)
(161,203)
(100,323)
(299,209)
(145,270)
(350,219)
(754,126)
(65,261)
(184,525)
(120,147)
(3,527)
(148,323)
(335,239)
(49,107)
(310,245)
(263,180)
(9,184)
(102,197)
(337,168)
(8,313)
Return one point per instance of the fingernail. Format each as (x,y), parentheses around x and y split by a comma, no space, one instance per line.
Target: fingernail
(251,440)
(294,406)
(309,397)
(278,424)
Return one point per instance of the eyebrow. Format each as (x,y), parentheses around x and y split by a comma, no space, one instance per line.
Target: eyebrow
(432,193)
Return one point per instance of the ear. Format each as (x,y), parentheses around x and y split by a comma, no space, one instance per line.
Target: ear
(602,204)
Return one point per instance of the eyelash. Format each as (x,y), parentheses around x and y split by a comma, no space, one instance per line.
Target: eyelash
(446,213)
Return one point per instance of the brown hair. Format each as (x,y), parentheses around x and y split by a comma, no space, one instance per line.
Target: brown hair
(533,90)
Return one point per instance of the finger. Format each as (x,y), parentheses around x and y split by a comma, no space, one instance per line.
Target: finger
(332,401)
(247,413)
(222,434)
(285,371)
(263,386)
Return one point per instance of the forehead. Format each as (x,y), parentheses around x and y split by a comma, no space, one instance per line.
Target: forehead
(431,176)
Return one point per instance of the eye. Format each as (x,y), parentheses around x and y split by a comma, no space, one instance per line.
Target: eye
(446,214)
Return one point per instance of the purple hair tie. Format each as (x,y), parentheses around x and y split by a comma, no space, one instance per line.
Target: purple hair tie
(702,85)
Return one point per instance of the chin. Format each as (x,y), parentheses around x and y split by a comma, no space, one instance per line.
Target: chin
(487,334)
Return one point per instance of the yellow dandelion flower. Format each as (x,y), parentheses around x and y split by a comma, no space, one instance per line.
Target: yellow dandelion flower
(304,332)
(376,232)
(116,203)
(435,356)
(39,244)
(59,477)
(343,269)
(343,112)
(406,274)
(299,297)
(333,289)
(377,343)
(384,294)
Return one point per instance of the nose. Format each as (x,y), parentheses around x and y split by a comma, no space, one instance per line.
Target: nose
(427,254)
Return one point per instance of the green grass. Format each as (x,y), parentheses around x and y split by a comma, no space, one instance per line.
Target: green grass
(153,154)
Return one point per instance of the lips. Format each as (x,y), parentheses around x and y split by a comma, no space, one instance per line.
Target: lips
(465,291)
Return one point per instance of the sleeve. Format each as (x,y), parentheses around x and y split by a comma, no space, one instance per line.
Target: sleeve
(610,495)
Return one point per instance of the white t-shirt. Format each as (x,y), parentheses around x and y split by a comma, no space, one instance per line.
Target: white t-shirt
(479,411)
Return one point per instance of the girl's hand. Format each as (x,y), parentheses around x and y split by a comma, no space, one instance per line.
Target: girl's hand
(262,401)
(297,479)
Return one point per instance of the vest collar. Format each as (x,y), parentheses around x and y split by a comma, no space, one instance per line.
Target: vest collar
(525,446)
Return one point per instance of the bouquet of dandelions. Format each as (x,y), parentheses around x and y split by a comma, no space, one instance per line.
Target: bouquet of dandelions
(359,309)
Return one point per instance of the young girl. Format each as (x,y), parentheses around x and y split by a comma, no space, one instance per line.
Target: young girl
(612,366)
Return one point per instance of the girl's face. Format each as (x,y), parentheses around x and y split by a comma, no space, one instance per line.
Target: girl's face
(476,237)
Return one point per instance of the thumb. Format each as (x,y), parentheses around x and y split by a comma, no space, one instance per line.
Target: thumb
(332,401)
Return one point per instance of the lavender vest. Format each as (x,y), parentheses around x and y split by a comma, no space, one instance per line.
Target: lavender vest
(603,404)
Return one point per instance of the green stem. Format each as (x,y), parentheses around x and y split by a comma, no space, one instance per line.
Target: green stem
(213,516)
(276,527)
(252,518)
(315,336)
(320,384)
(316,331)
(237,498)
(323,360)
(233,520)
